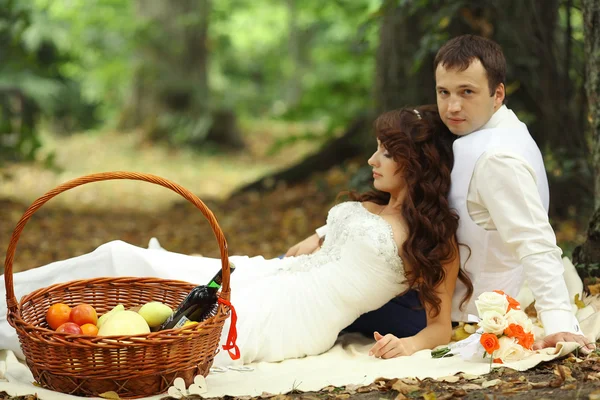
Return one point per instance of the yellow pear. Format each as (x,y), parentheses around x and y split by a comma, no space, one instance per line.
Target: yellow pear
(104,317)
(124,323)
(155,313)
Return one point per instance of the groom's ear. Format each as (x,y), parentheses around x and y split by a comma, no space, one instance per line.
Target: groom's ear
(499,95)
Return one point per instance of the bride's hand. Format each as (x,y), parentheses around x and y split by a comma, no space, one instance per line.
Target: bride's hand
(389,346)
(307,246)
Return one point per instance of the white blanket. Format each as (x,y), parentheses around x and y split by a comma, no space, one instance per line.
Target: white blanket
(347,363)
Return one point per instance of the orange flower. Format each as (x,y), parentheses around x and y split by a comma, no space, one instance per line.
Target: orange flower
(512,304)
(526,340)
(514,330)
(490,342)
(498,361)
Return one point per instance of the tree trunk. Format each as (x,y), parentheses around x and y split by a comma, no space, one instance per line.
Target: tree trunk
(171,96)
(588,254)
(396,83)
(294,85)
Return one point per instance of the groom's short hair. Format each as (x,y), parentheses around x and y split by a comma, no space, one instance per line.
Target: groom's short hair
(459,52)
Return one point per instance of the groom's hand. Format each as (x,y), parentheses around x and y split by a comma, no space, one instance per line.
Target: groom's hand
(389,346)
(585,346)
(307,246)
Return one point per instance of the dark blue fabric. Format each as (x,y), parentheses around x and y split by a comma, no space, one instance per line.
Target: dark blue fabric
(403,316)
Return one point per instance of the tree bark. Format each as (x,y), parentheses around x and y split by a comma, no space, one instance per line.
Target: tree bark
(396,83)
(588,254)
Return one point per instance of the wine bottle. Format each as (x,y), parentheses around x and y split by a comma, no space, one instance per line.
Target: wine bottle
(198,305)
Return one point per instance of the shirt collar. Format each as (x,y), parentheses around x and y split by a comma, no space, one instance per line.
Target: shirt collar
(501,114)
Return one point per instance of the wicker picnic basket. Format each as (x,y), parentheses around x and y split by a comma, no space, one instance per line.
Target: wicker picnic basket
(131,366)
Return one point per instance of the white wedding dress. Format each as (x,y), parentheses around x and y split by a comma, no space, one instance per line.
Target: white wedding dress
(287,308)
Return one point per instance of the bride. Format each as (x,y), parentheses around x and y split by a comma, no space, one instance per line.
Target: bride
(399,237)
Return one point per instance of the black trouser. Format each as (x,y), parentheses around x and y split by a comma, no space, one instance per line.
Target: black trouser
(403,316)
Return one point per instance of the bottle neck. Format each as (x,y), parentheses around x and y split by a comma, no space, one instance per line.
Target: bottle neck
(217,280)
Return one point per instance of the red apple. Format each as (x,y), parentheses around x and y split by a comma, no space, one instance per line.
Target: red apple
(69,327)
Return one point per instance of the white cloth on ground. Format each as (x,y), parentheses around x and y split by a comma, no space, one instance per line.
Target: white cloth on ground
(347,363)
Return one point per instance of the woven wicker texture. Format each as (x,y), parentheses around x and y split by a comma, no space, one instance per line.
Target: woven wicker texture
(131,366)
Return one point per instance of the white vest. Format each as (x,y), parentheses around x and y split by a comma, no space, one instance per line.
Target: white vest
(491,266)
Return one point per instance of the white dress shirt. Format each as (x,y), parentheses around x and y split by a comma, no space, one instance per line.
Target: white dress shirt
(503,196)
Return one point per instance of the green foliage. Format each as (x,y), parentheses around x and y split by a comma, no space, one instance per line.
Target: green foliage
(99,36)
(24,83)
(33,48)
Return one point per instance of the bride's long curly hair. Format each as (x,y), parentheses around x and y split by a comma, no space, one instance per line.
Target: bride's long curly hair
(421,144)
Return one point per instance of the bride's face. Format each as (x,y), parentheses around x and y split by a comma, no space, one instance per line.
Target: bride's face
(386,176)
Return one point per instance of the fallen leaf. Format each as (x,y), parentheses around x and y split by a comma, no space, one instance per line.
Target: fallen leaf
(539,385)
(410,381)
(352,387)
(593,377)
(470,386)
(594,289)
(404,388)
(564,372)
(491,383)
(469,377)
(449,379)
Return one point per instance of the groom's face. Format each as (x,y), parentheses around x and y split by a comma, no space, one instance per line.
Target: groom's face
(463,98)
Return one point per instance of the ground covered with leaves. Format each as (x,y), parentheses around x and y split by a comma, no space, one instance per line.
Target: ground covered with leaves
(268,224)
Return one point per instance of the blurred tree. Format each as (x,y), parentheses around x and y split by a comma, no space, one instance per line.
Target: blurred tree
(29,82)
(171,96)
(587,256)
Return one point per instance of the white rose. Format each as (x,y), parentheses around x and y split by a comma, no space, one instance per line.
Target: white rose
(520,318)
(491,301)
(493,322)
(510,350)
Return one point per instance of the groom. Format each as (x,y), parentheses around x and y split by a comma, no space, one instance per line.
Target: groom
(500,191)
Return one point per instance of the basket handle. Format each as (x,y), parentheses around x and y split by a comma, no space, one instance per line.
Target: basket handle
(105,176)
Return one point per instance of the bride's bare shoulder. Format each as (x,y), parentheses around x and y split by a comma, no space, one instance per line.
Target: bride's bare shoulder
(370,206)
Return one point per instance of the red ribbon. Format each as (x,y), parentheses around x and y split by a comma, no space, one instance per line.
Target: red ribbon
(232,337)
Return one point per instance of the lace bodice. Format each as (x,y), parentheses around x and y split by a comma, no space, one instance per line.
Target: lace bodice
(353,229)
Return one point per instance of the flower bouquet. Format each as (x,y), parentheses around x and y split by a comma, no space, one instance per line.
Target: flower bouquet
(504,334)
